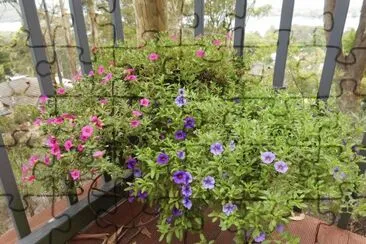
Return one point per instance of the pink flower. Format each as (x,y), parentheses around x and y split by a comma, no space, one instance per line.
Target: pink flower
(98,154)
(91,73)
(77,76)
(135,123)
(61,91)
(25,169)
(129,71)
(47,160)
(52,141)
(80,148)
(58,120)
(131,77)
(31,179)
(68,145)
(107,78)
(216,43)
(200,53)
(103,101)
(145,102)
(97,121)
(43,99)
(153,56)
(68,116)
(33,160)
(100,69)
(37,122)
(55,150)
(87,131)
(136,113)
(75,174)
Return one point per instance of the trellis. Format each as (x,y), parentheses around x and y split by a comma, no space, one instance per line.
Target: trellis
(79,214)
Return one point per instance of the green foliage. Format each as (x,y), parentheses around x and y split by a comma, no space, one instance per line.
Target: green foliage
(348,40)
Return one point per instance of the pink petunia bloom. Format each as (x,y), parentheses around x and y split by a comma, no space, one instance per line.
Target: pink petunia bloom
(87,131)
(103,101)
(25,169)
(200,53)
(98,154)
(75,174)
(51,141)
(58,120)
(153,56)
(80,148)
(129,71)
(135,123)
(33,160)
(107,78)
(216,43)
(47,160)
(91,73)
(61,91)
(77,76)
(136,113)
(68,145)
(37,122)
(101,69)
(131,77)
(43,99)
(98,122)
(144,102)
(55,150)
(68,116)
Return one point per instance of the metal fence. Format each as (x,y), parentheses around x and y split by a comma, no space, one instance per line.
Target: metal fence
(79,214)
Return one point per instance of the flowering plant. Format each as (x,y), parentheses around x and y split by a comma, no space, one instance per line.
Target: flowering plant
(199,136)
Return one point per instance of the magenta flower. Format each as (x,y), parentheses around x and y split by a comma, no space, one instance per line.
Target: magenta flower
(135,123)
(216,148)
(145,102)
(98,154)
(131,77)
(153,56)
(162,159)
(268,157)
(47,160)
(68,145)
(75,174)
(107,78)
(180,135)
(281,167)
(200,53)
(80,148)
(98,122)
(103,101)
(60,91)
(229,208)
(91,73)
(33,160)
(208,182)
(216,43)
(260,238)
(43,99)
(136,113)
(37,122)
(101,69)
(87,131)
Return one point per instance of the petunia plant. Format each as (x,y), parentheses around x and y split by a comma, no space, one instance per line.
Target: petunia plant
(202,138)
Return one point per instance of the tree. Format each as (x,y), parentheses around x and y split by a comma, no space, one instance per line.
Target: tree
(353,63)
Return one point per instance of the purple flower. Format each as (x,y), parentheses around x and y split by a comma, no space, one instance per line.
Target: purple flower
(208,182)
(261,237)
(180,135)
(216,148)
(142,195)
(181,155)
(232,145)
(281,167)
(186,190)
(182,177)
(189,123)
(268,157)
(176,212)
(229,208)
(131,197)
(162,159)
(181,91)
(280,228)
(180,101)
(187,203)
(169,220)
(137,173)
(131,163)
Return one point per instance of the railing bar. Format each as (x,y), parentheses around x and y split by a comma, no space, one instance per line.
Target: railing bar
(115,8)
(283,43)
(81,37)
(239,28)
(333,48)
(15,204)
(37,46)
(199,13)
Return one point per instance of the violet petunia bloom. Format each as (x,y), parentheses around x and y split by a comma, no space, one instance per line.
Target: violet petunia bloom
(169,220)
(208,182)
(229,208)
(137,173)
(180,135)
(176,212)
(280,228)
(261,237)
(189,123)
(186,190)
(181,91)
(268,157)
(216,148)
(162,159)
(182,177)
(180,101)
(181,155)
(187,203)
(131,163)
(281,167)
(142,195)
